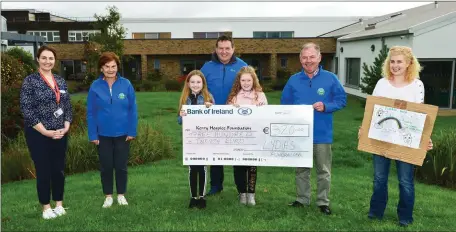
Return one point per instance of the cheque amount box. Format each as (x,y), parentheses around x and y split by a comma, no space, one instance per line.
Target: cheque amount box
(289,130)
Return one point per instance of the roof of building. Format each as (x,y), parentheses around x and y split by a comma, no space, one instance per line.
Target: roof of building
(401,22)
(240,19)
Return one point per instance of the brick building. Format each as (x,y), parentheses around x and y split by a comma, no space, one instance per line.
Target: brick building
(266,50)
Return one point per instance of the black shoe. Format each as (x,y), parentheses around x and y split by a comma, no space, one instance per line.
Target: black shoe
(325,209)
(201,203)
(296,204)
(193,203)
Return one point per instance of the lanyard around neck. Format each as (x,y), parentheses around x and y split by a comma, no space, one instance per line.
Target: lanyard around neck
(56,89)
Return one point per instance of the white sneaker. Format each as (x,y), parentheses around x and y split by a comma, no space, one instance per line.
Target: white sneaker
(49,214)
(243,198)
(108,202)
(251,198)
(59,211)
(122,200)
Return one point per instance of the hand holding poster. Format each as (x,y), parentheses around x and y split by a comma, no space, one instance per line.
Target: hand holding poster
(397,129)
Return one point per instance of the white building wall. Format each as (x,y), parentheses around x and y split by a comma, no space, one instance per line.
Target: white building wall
(436,42)
(401,40)
(362,49)
(357,49)
(4,43)
(241,28)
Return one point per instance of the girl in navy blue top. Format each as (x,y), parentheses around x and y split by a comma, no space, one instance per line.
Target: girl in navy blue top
(46,108)
(195,92)
(112,120)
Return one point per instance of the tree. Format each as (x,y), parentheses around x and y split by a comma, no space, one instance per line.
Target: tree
(112,34)
(110,39)
(373,73)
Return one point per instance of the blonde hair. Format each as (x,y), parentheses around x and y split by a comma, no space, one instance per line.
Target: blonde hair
(186,89)
(414,68)
(237,83)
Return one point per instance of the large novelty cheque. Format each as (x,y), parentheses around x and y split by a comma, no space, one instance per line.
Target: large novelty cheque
(269,135)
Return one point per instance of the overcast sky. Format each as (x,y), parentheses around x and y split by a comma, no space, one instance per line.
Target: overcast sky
(217,9)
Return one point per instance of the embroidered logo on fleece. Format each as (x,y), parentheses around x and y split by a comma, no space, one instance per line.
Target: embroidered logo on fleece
(321,91)
(121,96)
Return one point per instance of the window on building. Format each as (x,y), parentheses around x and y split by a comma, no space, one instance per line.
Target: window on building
(156,64)
(188,65)
(209,35)
(49,36)
(286,34)
(353,71)
(151,35)
(19,19)
(283,62)
(79,36)
(273,34)
(72,69)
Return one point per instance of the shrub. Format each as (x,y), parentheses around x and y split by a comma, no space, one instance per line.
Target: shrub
(24,58)
(283,74)
(279,84)
(12,70)
(148,85)
(150,145)
(440,163)
(16,161)
(79,122)
(73,86)
(158,86)
(13,74)
(173,85)
(267,86)
(155,75)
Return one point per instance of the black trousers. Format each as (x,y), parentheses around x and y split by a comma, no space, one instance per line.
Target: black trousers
(217,176)
(197,175)
(48,156)
(245,178)
(113,154)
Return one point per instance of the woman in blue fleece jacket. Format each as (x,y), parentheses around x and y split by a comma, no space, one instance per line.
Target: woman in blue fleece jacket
(112,120)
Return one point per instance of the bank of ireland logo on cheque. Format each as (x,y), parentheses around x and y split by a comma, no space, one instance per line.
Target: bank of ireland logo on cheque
(244,111)
(321,91)
(121,96)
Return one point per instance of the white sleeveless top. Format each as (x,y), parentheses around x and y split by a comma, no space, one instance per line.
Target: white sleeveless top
(413,92)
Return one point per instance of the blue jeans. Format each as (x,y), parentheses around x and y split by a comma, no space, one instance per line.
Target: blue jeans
(405,173)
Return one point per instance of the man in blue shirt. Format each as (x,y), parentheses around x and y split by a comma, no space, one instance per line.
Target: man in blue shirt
(321,89)
(220,74)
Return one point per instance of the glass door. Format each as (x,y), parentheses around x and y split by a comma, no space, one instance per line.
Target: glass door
(436,76)
(67,69)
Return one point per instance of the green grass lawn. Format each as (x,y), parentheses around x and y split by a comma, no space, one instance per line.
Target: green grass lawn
(158,193)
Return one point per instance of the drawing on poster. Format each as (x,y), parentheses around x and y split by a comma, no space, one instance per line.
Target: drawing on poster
(397,126)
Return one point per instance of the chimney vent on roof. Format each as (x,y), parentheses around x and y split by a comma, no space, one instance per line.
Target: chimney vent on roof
(436,4)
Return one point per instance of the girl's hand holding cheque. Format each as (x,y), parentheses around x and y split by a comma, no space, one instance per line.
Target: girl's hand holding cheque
(208,104)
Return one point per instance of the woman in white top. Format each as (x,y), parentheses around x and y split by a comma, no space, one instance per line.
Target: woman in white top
(400,71)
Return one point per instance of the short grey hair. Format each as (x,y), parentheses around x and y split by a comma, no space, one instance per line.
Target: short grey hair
(310,45)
